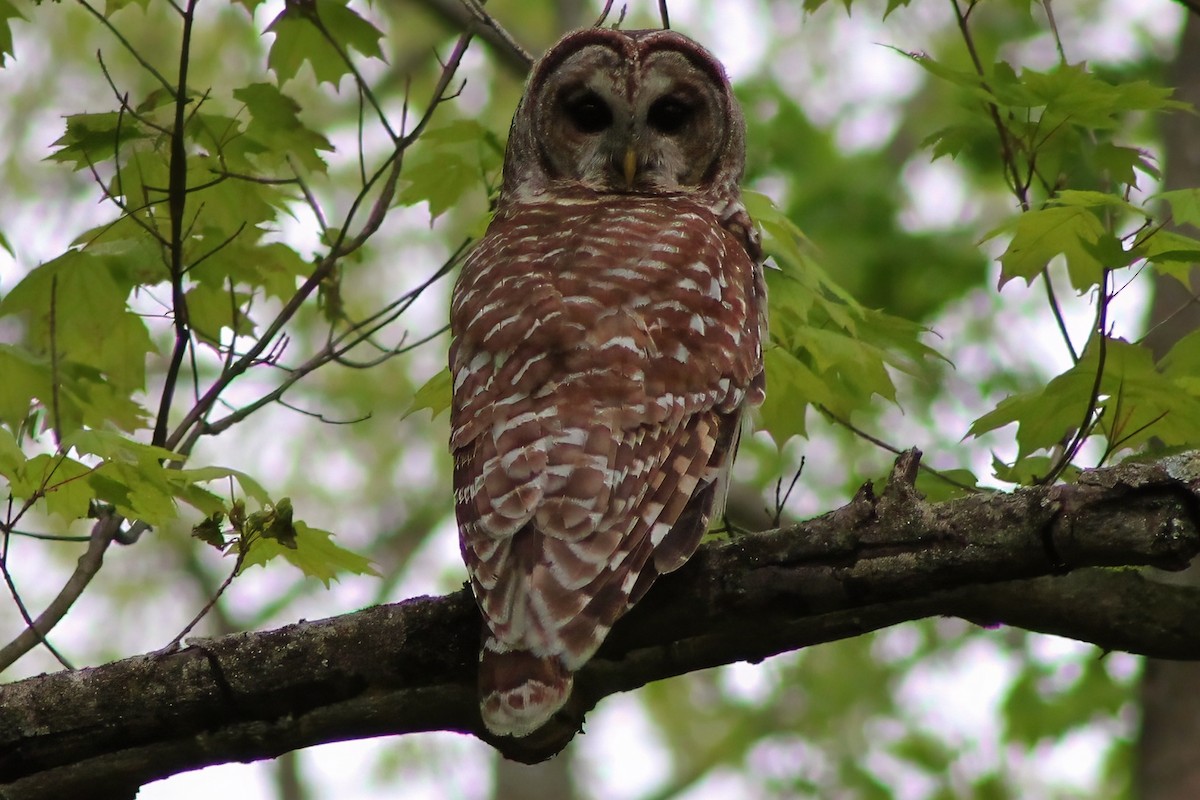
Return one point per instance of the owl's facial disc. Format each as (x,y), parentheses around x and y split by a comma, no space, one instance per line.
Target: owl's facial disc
(680,125)
(615,126)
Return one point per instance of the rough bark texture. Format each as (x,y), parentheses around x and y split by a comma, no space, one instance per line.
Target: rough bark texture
(1040,559)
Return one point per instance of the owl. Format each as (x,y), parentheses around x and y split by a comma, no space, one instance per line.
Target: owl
(606,342)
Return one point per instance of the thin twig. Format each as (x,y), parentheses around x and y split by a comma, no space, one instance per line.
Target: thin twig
(339,249)
(1008,155)
(386,354)
(218,247)
(1116,444)
(1056,310)
(392,165)
(146,65)
(22,609)
(1192,300)
(781,497)
(176,204)
(891,448)
(88,565)
(662,12)
(333,351)
(36,631)
(1058,43)
(1089,415)
(490,22)
(55,408)
(48,537)
(603,14)
(123,100)
(457,16)
(309,198)
(364,89)
(173,645)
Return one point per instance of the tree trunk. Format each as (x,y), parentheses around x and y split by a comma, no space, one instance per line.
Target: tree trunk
(1168,751)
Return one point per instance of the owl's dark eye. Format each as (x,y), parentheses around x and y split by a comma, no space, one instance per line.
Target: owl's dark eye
(669,114)
(588,112)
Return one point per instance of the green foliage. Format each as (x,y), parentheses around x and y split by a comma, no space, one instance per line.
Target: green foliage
(76,308)
(310,550)
(1047,125)
(1038,236)
(826,350)
(276,130)
(434,394)
(271,532)
(1119,386)
(1050,120)
(321,33)
(848,203)
(8,12)
(892,5)
(196,213)
(1184,204)
(448,164)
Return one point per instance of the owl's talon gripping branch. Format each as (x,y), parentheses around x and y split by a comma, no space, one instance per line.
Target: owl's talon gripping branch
(607,340)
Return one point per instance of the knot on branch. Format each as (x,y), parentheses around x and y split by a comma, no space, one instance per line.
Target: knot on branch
(1111,511)
(900,497)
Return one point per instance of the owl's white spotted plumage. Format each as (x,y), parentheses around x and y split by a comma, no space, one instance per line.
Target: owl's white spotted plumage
(606,341)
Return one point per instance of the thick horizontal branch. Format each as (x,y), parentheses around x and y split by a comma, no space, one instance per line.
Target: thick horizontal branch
(1041,559)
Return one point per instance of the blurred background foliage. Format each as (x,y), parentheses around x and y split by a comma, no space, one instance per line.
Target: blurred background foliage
(837,127)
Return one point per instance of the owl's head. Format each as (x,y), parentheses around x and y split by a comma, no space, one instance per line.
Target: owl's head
(645,112)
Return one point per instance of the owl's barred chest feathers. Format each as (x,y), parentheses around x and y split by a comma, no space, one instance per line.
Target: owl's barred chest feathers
(645,291)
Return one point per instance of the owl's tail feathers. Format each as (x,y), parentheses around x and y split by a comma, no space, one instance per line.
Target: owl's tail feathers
(518,691)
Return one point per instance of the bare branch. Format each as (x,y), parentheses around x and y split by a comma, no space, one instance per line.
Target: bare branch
(891,448)
(459,17)
(173,645)
(103,533)
(1058,43)
(603,14)
(19,602)
(340,248)
(1019,187)
(1056,310)
(489,22)
(176,205)
(48,537)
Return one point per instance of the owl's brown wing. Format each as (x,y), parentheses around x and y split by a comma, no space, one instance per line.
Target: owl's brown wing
(598,384)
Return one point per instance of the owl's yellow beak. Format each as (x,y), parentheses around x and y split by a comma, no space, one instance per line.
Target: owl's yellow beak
(630,167)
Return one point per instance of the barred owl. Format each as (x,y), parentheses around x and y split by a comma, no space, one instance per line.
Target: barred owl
(606,342)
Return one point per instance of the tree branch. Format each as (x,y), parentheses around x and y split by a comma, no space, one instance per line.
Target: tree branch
(458,16)
(1039,558)
(103,532)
